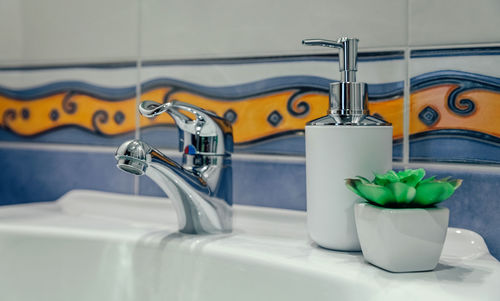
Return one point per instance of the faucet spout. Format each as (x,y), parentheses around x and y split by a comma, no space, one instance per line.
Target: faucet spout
(203,205)
(200,188)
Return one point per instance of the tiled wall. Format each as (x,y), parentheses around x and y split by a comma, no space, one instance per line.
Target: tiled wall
(71,73)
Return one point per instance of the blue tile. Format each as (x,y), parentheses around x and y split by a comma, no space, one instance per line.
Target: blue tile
(454,149)
(149,188)
(166,136)
(397,150)
(40,176)
(475,205)
(270,184)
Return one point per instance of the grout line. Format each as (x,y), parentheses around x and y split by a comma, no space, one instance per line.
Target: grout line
(138,93)
(447,46)
(408,22)
(58,147)
(406,92)
(64,63)
(270,158)
(138,88)
(430,46)
(406,110)
(448,166)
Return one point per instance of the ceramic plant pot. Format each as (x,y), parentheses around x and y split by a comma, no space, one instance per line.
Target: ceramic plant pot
(401,240)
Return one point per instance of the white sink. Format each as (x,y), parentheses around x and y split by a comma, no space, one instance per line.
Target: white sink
(100,246)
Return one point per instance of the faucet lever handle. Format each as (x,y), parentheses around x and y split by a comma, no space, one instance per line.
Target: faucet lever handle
(149,108)
(205,124)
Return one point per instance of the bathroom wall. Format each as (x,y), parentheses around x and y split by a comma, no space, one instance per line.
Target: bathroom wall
(72,72)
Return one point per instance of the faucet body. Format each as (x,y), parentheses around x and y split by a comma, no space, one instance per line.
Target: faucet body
(200,188)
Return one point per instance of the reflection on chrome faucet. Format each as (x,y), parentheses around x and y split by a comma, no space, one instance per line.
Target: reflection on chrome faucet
(200,188)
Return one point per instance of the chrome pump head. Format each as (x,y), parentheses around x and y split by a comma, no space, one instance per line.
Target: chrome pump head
(348,98)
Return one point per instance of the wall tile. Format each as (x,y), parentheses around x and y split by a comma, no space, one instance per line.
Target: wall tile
(58,31)
(11,39)
(455,104)
(41,176)
(268,100)
(453,22)
(82,104)
(194,29)
(270,184)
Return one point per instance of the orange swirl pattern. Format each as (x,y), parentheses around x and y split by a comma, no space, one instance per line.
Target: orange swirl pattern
(251,123)
(27,118)
(484,118)
(109,118)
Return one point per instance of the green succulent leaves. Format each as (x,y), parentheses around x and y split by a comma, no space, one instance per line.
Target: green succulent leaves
(403,189)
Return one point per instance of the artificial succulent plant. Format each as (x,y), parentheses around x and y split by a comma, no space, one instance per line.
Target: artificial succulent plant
(404,189)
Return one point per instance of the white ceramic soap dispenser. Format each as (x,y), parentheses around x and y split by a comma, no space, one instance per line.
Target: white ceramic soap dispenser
(346,143)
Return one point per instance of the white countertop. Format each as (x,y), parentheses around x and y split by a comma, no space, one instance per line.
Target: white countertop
(268,255)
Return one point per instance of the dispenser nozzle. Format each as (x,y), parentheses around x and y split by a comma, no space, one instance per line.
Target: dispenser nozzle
(348,55)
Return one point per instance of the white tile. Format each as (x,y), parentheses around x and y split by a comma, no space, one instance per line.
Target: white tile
(384,71)
(218,28)
(59,31)
(101,77)
(480,64)
(453,21)
(213,74)
(10,30)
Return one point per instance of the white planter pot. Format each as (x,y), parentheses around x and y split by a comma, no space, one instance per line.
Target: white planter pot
(401,240)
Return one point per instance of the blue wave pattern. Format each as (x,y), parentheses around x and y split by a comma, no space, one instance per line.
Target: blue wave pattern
(467,79)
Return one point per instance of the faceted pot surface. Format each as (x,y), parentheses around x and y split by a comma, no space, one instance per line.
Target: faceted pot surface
(401,240)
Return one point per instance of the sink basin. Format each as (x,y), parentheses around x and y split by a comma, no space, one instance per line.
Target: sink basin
(91,245)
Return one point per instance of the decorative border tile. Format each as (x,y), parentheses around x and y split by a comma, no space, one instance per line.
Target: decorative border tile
(454,113)
(263,97)
(270,108)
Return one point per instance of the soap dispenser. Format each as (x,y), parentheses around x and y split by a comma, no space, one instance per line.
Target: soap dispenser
(345,143)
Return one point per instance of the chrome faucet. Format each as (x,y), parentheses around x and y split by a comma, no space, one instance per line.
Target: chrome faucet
(200,188)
